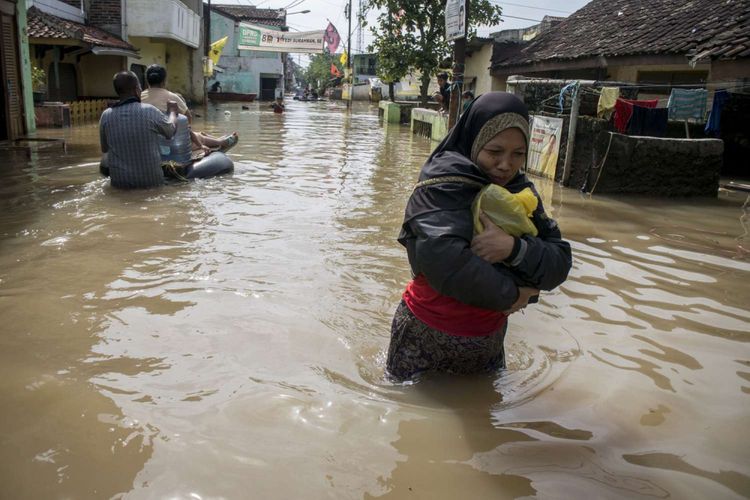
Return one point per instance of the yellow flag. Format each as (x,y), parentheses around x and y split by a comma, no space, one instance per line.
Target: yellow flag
(216,49)
(343,58)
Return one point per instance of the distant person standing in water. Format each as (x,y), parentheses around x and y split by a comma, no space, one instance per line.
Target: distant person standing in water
(453,315)
(278,105)
(129,135)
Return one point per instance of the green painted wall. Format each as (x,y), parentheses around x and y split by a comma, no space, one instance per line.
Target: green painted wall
(23,55)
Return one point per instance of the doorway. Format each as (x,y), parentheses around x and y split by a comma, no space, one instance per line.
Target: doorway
(268,88)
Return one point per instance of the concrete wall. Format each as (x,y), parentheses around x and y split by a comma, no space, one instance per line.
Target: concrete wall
(95,75)
(242,68)
(477,65)
(183,76)
(614,163)
(731,71)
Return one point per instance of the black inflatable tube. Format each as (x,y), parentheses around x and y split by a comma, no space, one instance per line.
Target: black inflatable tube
(211,165)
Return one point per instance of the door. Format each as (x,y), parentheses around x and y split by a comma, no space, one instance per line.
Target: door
(12,108)
(267,88)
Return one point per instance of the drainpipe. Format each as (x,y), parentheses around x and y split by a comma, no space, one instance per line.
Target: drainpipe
(124,20)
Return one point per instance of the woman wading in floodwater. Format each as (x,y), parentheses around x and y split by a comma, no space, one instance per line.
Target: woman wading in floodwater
(453,314)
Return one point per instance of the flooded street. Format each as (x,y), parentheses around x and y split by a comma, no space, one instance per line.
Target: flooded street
(226,338)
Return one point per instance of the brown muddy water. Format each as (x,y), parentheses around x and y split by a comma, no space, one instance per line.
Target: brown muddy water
(226,338)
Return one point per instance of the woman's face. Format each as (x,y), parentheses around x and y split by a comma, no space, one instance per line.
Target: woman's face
(503,156)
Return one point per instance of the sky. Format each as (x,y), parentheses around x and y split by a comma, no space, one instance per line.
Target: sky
(516,14)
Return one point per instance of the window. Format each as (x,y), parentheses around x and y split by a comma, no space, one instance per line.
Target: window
(664,80)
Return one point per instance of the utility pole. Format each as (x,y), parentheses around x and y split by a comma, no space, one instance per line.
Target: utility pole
(570,147)
(349,56)
(207,43)
(459,58)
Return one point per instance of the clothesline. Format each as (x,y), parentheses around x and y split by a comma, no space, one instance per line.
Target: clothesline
(731,88)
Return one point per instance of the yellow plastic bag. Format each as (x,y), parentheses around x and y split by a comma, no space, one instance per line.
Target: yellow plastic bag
(511,212)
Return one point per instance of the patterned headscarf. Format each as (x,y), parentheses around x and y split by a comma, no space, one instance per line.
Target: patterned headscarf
(488,115)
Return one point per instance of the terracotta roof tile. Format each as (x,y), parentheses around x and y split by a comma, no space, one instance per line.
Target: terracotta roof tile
(269,17)
(700,29)
(43,25)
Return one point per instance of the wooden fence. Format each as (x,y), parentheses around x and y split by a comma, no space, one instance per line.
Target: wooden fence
(82,112)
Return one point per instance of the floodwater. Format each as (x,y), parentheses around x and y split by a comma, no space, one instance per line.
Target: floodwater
(226,338)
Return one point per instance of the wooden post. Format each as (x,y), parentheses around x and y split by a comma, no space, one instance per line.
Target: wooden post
(459,59)
(570,147)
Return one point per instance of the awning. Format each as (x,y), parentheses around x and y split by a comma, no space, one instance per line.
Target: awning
(112,51)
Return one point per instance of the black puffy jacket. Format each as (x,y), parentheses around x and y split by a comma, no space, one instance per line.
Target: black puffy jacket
(438,229)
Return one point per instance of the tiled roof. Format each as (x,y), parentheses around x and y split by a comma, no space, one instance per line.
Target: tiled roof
(269,17)
(697,29)
(43,25)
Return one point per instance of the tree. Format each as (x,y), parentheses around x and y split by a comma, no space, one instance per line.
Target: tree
(318,72)
(392,65)
(410,34)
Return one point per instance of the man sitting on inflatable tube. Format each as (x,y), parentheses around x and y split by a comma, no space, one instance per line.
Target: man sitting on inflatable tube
(130,134)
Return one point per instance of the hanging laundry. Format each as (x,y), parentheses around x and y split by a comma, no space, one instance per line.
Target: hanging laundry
(685,104)
(607,100)
(713,125)
(624,109)
(650,122)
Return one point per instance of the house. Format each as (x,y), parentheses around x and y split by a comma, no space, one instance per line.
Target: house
(16,105)
(74,55)
(479,53)
(247,71)
(365,66)
(647,47)
(661,42)
(80,49)
(165,32)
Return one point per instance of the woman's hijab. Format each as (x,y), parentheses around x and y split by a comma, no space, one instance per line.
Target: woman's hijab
(488,115)
(483,120)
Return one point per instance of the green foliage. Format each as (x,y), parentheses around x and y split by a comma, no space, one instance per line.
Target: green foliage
(38,78)
(410,34)
(318,72)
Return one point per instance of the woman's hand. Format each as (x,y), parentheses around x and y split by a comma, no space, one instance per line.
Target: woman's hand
(493,244)
(524,294)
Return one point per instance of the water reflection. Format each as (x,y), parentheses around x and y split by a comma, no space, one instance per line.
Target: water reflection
(236,328)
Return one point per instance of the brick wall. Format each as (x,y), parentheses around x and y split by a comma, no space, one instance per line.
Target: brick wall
(106,14)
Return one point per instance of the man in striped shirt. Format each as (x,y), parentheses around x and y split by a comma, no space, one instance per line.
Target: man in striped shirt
(129,135)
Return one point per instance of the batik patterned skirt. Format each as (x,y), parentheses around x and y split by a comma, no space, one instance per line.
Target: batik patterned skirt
(416,348)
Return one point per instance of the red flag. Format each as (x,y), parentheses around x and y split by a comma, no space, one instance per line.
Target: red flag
(335,71)
(331,38)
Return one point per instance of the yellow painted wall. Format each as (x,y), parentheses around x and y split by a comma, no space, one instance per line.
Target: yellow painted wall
(179,69)
(630,73)
(95,75)
(150,52)
(175,56)
(477,66)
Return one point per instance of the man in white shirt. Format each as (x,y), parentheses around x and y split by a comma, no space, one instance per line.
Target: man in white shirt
(158,96)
